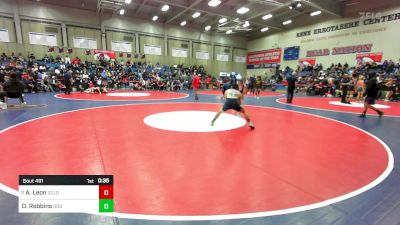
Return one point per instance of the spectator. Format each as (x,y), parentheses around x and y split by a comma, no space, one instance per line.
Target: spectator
(13,88)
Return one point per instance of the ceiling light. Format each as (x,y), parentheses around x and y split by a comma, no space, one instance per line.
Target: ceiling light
(214,3)
(207,28)
(298,5)
(315,13)
(267,17)
(290,7)
(196,14)
(287,22)
(222,20)
(122,12)
(183,23)
(264,29)
(243,10)
(155,18)
(165,8)
(229,32)
(246,24)
(128,1)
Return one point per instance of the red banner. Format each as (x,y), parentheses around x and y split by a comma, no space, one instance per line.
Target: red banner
(267,56)
(352,49)
(308,61)
(318,52)
(369,57)
(104,55)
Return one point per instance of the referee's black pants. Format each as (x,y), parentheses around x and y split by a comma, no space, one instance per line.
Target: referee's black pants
(68,88)
(290,92)
(344,95)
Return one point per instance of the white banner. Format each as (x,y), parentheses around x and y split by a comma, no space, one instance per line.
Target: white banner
(240,59)
(179,52)
(152,50)
(203,55)
(223,57)
(4,36)
(87,43)
(120,46)
(48,39)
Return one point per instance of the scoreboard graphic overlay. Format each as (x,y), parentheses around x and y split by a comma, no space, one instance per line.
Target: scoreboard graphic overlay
(66,194)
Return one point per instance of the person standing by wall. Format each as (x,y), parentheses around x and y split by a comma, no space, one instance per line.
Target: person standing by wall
(257,86)
(252,83)
(233,78)
(344,83)
(196,85)
(360,88)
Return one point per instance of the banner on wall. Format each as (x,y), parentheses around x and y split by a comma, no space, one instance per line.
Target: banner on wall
(369,57)
(223,57)
(291,53)
(179,52)
(308,61)
(318,52)
(83,42)
(120,46)
(47,39)
(272,56)
(104,55)
(4,36)
(264,65)
(152,50)
(352,49)
(240,59)
(202,55)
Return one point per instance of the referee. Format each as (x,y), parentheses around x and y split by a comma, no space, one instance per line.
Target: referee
(291,85)
(68,82)
(371,92)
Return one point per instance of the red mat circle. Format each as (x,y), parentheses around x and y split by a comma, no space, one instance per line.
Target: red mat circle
(323,104)
(287,161)
(262,94)
(154,95)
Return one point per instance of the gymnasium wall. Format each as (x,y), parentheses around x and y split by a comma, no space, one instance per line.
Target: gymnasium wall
(151,40)
(384,36)
(75,31)
(127,37)
(223,65)
(40,17)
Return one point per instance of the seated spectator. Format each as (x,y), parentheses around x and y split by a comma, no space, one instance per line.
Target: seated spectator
(13,88)
(160,85)
(76,61)
(29,84)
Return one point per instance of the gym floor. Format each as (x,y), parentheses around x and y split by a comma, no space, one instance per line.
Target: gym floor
(312,162)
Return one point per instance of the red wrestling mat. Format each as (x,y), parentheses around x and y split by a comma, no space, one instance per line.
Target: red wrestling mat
(333,104)
(288,161)
(124,96)
(219,92)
